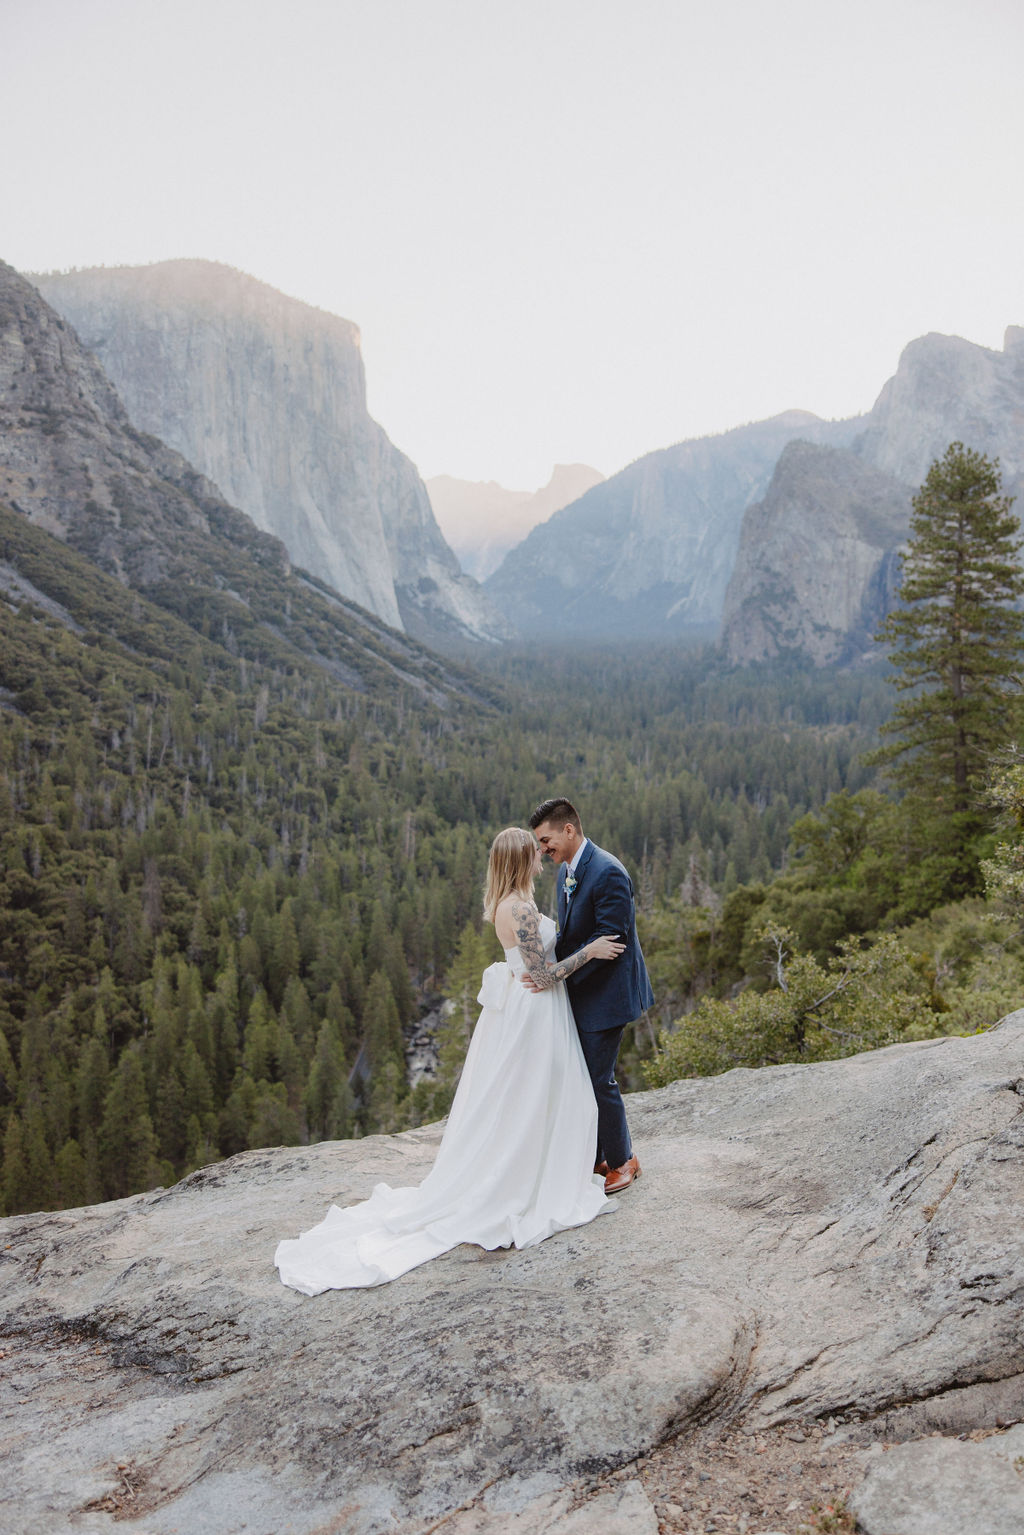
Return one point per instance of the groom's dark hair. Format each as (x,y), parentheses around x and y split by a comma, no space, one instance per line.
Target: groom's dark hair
(559,812)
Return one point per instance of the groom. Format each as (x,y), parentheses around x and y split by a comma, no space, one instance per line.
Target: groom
(595,897)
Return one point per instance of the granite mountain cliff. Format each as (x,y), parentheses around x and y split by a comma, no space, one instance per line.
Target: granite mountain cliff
(650,551)
(266,396)
(817,560)
(73,463)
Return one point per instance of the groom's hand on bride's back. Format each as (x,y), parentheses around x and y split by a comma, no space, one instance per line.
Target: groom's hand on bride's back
(606,946)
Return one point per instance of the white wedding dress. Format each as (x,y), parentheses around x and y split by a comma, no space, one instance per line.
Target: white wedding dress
(515,1163)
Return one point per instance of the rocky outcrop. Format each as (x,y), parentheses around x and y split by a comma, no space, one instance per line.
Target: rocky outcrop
(650,551)
(817,563)
(482,521)
(935,1486)
(807,579)
(842,1240)
(267,397)
(72,462)
(950,390)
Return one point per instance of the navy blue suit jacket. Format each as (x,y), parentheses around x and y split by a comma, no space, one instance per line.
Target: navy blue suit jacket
(604,993)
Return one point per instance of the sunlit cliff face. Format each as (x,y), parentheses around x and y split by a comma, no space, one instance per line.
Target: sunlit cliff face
(266,397)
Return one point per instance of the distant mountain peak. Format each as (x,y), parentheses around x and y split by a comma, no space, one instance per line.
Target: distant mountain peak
(483,520)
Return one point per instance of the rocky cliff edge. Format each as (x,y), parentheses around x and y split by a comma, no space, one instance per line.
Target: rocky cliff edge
(841,1240)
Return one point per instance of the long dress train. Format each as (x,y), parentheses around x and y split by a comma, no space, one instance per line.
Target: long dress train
(514,1164)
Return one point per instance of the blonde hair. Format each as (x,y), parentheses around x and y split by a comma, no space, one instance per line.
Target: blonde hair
(509,868)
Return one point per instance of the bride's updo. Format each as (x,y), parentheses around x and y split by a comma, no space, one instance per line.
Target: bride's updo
(509,868)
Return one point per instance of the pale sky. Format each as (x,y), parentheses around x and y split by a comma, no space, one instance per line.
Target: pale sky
(569,230)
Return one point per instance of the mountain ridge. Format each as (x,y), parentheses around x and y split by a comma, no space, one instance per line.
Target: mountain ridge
(794,590)
(651,549)
(266,396)
(671,545)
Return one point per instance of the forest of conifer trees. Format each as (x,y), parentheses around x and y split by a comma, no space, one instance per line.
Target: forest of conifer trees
(231,886)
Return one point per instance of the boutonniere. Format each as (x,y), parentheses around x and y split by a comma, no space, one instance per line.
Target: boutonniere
(570,884)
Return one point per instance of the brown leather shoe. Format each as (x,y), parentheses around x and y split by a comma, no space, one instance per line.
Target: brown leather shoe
(601,1169)
(620,1178)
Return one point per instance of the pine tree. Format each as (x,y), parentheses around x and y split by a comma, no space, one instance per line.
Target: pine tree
(201,1143)
(341,1020)
(224,1022)
(958,643)
(386,1099)
(283,961)
(37,1190)
(91,1083)
(327,1099)
(273,1122)
(236,1116)
(296,1008)
(15,1188)
(8,1071)
(260,1039)
(70,1178)
(382,1032)
(127,1140)
(461,988)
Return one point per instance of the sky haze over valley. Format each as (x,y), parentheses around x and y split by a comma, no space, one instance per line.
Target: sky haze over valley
(570,231)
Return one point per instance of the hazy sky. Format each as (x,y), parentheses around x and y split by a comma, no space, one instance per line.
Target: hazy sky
(567,229)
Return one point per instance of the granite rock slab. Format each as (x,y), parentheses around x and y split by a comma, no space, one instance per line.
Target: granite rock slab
(840,1240)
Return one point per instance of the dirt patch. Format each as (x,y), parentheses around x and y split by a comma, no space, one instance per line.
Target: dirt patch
(793,1479)
(126,1496)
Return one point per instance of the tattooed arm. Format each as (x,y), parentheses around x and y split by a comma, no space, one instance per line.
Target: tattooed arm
(526,924)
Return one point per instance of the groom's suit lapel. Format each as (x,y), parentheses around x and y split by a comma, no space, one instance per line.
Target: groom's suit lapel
(566,907)
(581,867)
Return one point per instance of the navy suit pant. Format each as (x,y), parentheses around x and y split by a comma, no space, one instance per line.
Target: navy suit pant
(599,1051)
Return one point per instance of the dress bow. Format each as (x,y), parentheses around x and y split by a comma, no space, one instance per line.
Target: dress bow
(494,986)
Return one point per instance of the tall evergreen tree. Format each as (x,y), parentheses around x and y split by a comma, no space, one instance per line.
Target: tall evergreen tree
(327,1107)
(16,1186)
(70,1176)
(127,1140)
(958,641)
(382,1031)
(472,955)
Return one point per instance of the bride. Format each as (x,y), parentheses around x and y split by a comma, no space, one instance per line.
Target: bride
(515,1161)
